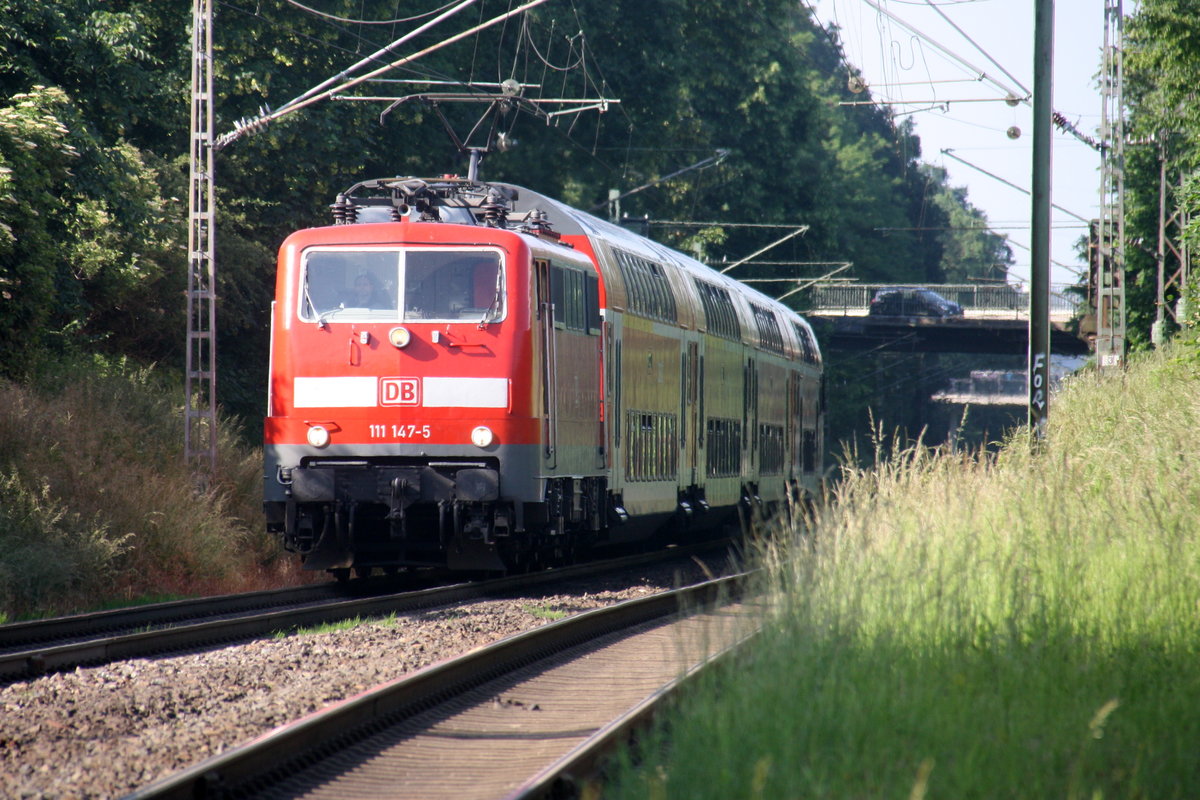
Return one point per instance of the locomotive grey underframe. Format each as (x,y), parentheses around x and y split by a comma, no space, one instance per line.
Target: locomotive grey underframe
(426,474)
(518,463)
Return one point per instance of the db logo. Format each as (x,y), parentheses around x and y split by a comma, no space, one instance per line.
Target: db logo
(399,391)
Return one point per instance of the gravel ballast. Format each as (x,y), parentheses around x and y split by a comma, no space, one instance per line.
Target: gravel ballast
(101,732)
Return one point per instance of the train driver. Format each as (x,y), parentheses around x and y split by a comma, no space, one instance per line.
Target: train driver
(367,293)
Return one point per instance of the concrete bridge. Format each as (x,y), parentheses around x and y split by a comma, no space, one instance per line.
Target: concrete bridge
(995,320)
(978,301)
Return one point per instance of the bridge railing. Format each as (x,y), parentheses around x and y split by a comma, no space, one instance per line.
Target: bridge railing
(851,298)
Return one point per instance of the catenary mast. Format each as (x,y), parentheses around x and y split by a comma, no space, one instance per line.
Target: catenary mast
(1109,281)
(200,382)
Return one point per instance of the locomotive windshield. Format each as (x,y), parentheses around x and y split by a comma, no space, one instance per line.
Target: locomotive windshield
(401,285)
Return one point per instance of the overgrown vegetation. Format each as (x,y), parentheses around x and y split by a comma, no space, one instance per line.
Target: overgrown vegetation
(93,136)
(93,142)
(1021,624)
(96,503)
(94,127)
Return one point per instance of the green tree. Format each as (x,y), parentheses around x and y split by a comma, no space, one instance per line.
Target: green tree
(1162,69)
(87,228)
(969,249)
(94,214)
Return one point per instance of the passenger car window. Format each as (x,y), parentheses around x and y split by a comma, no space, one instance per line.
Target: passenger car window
(576,300)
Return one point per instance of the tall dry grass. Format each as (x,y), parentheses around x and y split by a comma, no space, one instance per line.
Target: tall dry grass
(97,507)
(1019,625)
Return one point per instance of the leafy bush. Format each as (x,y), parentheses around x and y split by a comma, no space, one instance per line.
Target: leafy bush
(103,439)
(83,228)
(51,557)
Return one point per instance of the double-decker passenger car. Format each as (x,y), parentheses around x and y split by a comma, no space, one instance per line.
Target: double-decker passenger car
(477,376)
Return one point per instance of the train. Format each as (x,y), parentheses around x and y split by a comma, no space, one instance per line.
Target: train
(475,376)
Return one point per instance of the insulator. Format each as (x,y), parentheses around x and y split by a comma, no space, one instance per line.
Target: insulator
(538,221)
(495,210)
(344,211)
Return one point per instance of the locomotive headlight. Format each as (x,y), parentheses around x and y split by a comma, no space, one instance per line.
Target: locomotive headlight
(399,337)
(482,436)
(318,436)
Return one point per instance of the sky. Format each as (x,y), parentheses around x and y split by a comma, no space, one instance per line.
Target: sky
(900,65)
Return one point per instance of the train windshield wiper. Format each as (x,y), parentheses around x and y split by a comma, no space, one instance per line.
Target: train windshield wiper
(493,310)
(329,312)
(312,307)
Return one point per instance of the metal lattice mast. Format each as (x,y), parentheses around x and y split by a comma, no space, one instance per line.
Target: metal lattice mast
(1109,296)
(1180,218)
(200,383)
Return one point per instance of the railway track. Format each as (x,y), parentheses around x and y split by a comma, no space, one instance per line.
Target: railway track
(515,719)
(33,648)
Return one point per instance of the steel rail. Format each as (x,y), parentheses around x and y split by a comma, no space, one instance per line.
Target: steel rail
(568,776)
(255,766)
(32,632)
(184,636)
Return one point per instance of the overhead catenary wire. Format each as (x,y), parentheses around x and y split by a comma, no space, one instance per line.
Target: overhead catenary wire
(293,31)
(528,36)
(1077,270)
(244,127)
(380,53)
(801,284)
(987,228)
(336,18)
(711,161)
(225,139)
(976,45)
(947,151)
(820,278)
(669,223)
(586,65)
(800,229)
(1023,96)
(931,103)
(430,72)
(947,52)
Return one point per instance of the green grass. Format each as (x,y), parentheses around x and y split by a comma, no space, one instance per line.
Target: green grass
(1022,625)
(324,627)
(388,621)
(545,612)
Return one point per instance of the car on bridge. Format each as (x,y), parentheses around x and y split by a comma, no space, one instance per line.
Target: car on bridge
(912,301)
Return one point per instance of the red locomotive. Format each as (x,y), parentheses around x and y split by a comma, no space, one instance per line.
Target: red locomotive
(477,376)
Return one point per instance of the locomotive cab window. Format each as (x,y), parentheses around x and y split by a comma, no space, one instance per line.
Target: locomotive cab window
(402,285)
(350,283)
